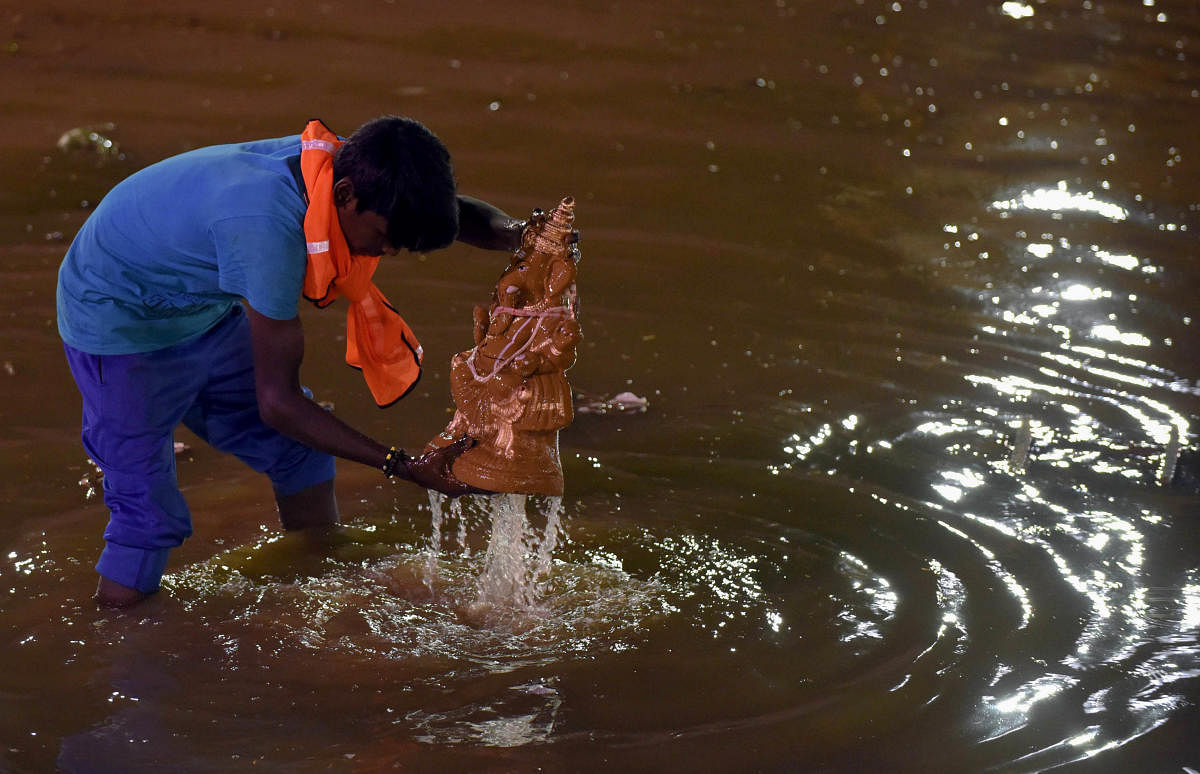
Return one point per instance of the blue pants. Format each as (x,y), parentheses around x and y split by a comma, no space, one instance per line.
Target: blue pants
(131,407)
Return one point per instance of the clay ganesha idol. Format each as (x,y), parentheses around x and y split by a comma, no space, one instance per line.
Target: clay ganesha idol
(510,391)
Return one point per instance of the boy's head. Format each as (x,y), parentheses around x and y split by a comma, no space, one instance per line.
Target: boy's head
(401,171)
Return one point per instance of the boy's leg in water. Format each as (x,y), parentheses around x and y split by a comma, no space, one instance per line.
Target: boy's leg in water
(109,593)
(226,415)
(315,506)
(131,405)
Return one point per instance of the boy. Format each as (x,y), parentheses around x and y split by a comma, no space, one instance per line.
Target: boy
(151,313)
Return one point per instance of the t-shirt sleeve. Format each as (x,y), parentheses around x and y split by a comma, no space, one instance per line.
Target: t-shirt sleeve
(263,260)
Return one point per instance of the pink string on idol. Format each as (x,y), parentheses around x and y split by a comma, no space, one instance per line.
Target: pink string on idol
(503,359)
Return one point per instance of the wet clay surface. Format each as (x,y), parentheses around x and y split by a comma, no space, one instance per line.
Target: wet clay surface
(909,289)
(510,390)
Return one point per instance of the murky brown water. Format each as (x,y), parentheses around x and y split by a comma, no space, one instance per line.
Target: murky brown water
(849,251)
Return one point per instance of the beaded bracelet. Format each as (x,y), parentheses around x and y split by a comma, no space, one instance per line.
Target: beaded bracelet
(395,459)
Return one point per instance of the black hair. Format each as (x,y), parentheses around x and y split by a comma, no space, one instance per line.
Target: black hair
(402,171)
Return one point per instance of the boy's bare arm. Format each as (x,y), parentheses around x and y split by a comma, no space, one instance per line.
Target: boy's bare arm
(484,226)
(278,352)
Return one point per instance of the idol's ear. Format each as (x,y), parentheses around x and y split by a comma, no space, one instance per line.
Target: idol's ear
(560,277)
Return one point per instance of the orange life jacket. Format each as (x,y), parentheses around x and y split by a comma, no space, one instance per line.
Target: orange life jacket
(378,341)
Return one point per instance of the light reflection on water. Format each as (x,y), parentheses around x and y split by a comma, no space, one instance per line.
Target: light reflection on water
(1099,553)
(1060,200)
(1065,358)
(879,597)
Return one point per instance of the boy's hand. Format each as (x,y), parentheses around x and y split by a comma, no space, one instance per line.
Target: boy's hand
(434,469)
(484,226)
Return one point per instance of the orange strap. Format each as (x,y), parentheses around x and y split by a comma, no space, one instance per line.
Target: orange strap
(378,341)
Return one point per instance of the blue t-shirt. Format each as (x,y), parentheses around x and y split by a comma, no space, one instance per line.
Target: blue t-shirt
(171,248)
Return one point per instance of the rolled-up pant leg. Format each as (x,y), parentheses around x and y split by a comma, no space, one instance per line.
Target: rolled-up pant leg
(131,406)
(225,414)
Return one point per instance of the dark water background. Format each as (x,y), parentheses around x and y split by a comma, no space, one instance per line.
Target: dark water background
(852,252)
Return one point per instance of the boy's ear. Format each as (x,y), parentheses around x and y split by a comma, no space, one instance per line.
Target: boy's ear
(343,192)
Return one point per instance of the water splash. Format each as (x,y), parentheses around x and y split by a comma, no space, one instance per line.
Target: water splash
(505,578)
(365,598)
(517,559)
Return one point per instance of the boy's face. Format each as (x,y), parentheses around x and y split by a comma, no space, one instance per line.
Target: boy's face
(366,231)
